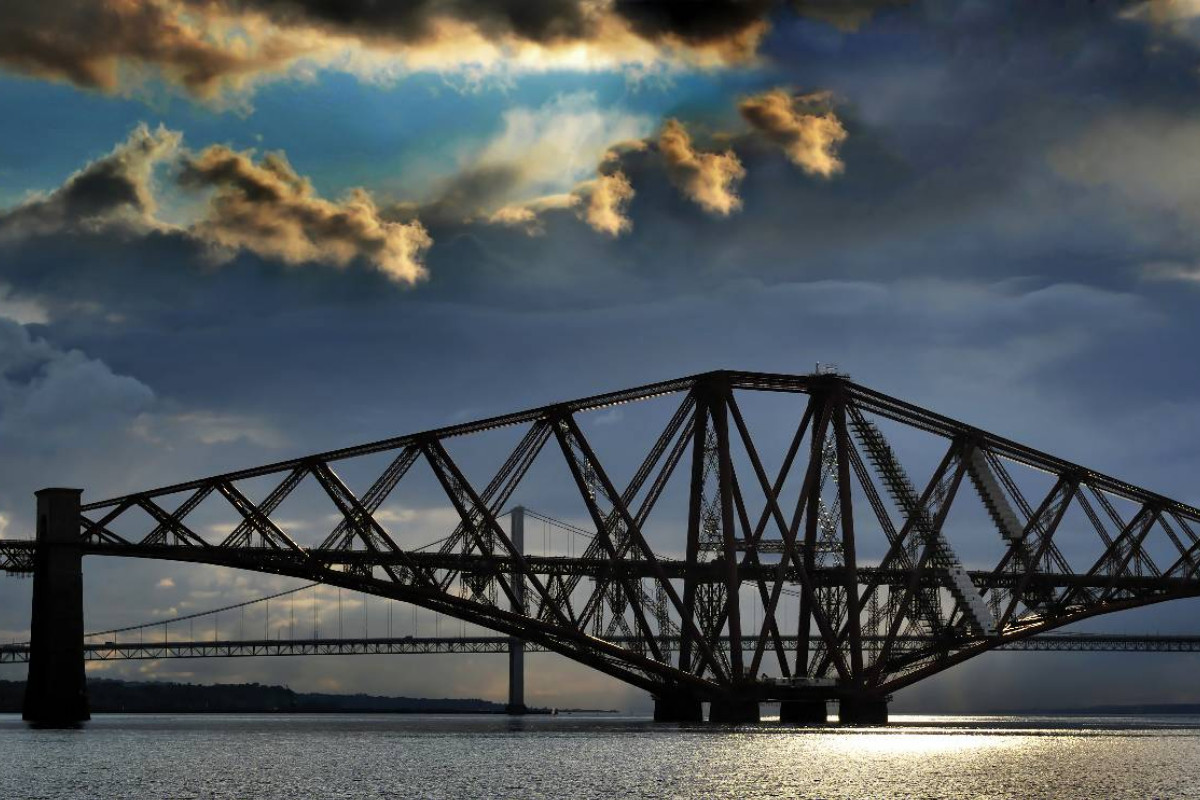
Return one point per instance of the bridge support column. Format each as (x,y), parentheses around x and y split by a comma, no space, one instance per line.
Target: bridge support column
(863,711)
(516,647)
(734,710)
(56,688)
(678,708)
(803,712)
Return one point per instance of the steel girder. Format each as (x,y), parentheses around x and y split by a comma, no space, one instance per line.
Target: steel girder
(706,612)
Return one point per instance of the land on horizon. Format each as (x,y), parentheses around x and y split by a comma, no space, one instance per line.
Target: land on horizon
(138,697)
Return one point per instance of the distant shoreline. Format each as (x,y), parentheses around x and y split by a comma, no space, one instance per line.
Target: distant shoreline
(107,696)
(1146,709)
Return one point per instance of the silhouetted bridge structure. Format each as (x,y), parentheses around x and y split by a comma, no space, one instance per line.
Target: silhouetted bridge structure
(502,645)
(697,549)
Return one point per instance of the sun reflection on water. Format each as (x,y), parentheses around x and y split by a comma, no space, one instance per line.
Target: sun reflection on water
(916,743)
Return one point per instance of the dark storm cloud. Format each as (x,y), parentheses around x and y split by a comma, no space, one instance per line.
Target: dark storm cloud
(548,21)
(91,42)
(846,15)
(697,23)
(544,21)
(206,46)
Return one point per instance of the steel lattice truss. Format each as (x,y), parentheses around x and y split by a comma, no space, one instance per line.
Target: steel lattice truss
(16,557)
(762,573)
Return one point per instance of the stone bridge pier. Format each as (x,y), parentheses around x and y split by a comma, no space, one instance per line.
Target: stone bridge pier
(56,689)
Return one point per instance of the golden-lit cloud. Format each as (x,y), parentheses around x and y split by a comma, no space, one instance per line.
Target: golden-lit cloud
(262,206)
(269,209)
(528,215)
(607,198)
(599,202)
(206,46)
(809,137)
(708,179)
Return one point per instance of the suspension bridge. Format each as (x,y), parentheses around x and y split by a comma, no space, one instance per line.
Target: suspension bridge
(799,564)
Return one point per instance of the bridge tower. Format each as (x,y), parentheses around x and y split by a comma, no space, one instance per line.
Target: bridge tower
(56,689)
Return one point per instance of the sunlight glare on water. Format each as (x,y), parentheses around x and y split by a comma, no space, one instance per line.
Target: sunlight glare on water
(381,756)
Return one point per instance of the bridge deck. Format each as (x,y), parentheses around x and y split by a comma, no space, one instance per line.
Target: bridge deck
(434,645)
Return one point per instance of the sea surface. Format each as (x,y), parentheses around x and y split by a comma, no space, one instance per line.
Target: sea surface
(375,756)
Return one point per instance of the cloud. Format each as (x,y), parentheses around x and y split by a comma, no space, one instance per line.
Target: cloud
(113,189)
(709,179)
(536,160)
(209,428)
(809,139)
(600,202)
(732,27)
(528,216)
(51,399)
(543,160)
(554,146)
(845,15)
(263,206)
(269,209)
(25,311)
(607,198)
(205,46)
(1171,271)
(102,44)
(1139,170)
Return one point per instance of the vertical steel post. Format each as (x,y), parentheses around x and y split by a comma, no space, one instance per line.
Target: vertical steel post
(849,548)
(733,585)
(695,510)
(516,647)
(675,705)
(56,689)
(811,509)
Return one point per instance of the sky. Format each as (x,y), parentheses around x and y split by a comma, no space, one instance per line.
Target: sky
(234,231)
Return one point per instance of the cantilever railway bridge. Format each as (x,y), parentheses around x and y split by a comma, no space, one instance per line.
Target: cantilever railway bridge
(793,538)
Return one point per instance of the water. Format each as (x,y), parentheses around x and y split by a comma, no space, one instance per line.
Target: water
(376,756)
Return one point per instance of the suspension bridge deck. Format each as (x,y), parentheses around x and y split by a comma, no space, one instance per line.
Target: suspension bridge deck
(436,645)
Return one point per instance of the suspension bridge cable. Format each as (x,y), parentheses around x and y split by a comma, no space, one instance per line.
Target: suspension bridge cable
(566,526)
(156,623)
(559,523)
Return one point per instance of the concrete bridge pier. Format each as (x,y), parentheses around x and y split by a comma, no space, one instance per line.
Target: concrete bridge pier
(516,678)
(863,710)
(681,707)
(734,710)
(803,712)
(516,647)
(56,689)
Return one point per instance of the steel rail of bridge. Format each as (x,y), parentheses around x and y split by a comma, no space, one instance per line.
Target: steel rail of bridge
(863,630)
(501,645)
